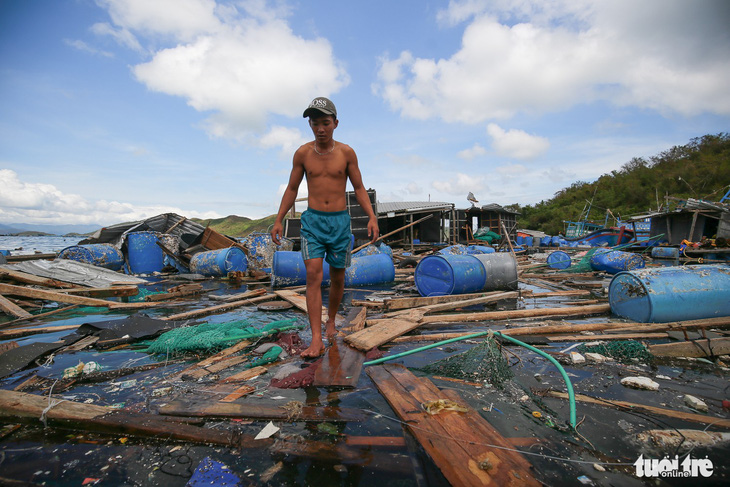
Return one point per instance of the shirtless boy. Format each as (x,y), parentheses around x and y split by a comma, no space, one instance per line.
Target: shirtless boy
(325,230)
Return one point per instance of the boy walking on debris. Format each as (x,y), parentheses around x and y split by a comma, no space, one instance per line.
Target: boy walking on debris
(325,225)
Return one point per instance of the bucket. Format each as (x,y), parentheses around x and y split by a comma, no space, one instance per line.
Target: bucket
(287,269)
(100,255)
(370,269)
(664,252)
(219,262)
(500,269)
(614,261)
(439,275)
(558,260)
(676,293)
(143,253)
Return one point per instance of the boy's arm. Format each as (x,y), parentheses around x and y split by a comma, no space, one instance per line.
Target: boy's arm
(361,194)
(288,199)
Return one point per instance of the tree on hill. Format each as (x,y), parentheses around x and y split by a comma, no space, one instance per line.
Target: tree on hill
(699,169)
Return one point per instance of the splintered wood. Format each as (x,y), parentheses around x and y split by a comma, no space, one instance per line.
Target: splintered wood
(459,443)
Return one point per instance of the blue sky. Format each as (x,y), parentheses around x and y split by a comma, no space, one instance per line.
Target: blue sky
(117,110)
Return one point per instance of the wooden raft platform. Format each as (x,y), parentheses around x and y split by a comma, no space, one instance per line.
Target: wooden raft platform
(455,441)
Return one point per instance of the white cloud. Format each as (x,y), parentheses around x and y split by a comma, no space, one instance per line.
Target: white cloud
(512,170)
(472,153)
(517,144)
(24,202)
(288,139)
(82,46)
(461,184)
(240,63)
(121,36)
(534,56)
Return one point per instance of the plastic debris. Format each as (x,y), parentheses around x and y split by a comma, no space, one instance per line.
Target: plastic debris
(267,432)
(695,403)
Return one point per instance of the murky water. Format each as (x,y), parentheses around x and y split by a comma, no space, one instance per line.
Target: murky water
(32,245)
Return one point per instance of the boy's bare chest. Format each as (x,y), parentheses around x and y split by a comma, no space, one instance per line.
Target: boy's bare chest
(329,167)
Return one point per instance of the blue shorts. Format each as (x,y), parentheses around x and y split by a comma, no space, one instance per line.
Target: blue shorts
(327,233)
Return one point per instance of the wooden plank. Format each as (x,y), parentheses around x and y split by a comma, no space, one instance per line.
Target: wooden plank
(219,308)
(606,336)
(177,292)
(355,320)
(67,298)
(104,292)
(721,322)
(238,393)
(709,347)
(26,278)
(212,359)
(4,347)
(379,334)
(632,406)
(39,315)
(247,374)
(457,442)
(341,366)
(434,308)
(394,304)
(12,309)
(520,313)
(259,412)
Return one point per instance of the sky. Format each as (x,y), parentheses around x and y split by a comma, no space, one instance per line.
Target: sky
(118,110)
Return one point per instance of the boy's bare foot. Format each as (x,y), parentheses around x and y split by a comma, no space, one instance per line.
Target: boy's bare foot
(313,351)
(329,329)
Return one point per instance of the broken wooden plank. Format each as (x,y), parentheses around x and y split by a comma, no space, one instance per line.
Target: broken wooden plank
(606,336)
(394,304)
(460,443)
(705,347)
(27,278)
(122,291)
(341,366)
(12,309)
(631,406)
(180,291)
(247,374)
(10,324)
(434,308)
(519,313)
(67,298)
(355,320)
(260,412)
(299,301)
(381,333)
(238,393)
(219,308)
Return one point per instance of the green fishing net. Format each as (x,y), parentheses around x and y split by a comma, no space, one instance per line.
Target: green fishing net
(215,336)
(142,293)
(621,350)
(483,363)
(584,265)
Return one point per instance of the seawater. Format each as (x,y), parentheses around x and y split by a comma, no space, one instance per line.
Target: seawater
(32,245)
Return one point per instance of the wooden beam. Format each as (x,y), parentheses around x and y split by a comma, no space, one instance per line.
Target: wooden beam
(12,309)
(379,334)
(434,308)
(260,412)
(708,347)
(519,313)
(26,278)
(456,441)
(218,308)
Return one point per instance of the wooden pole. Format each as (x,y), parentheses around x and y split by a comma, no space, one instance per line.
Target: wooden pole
(394,231)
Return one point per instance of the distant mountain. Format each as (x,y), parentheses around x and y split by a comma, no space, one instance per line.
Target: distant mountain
(238,226)
(14,228)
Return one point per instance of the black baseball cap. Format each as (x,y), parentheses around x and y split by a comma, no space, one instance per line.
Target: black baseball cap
(321,104)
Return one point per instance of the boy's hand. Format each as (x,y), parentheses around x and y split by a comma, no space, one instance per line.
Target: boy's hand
(373,230)
(276,233)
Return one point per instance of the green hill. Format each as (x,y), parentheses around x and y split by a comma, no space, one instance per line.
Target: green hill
(700,170)
(238,226)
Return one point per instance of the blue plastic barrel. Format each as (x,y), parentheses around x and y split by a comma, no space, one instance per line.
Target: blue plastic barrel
(100,255)
(143,253)
(260,250)
(370,269)
(519,239)
(288,269)
(219,262)
(545,241)
(614,261)
(479,249)
(676,293)
(555,241)
(528,242)
(665,252)
(440,275)
(558,260)
(500,269)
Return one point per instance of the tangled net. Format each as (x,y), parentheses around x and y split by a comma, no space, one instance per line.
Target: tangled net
(621,350)
(483,362)
(214,336)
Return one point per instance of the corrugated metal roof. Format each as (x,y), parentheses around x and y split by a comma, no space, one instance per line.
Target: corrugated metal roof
(411,206)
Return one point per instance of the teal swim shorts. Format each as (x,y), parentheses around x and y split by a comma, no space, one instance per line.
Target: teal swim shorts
(327,235)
